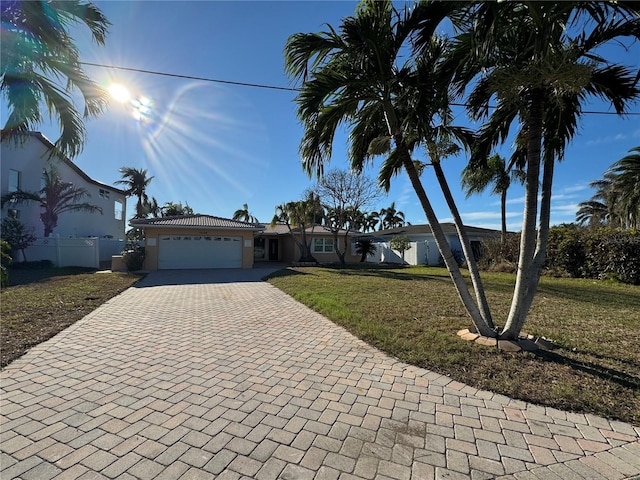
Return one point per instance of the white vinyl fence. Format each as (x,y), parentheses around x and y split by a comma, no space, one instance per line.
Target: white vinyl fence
(74,252)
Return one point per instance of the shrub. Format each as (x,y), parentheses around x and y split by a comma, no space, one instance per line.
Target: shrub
(498,257)
(595,253)
(5,261)
(133,258)
(566,250)
(612,253)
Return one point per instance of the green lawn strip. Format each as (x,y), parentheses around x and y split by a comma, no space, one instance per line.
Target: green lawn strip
(43,302)
(414,314)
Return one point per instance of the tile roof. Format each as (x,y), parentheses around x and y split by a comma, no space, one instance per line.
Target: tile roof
(200,221)
(426,229)
(282,229)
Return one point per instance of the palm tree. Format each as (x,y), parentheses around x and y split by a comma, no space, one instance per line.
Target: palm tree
(627,184)
(55,198)
(301,215)
(136,182)
(371,221)
(40,64)
(152,207)
(171,209)
(365,248)
(244,215)
(391,217)
(536,62)
(617,199)
(358,76)
(499,174)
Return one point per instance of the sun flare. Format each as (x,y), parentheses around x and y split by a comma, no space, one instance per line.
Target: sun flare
(119,93)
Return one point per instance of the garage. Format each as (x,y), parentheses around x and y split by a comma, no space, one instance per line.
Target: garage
(197,241)
(191,251)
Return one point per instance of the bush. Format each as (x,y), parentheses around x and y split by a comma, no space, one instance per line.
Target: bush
(595,253)
(612,253)
(575,251)
(501,258)
(5,261)
(133,258)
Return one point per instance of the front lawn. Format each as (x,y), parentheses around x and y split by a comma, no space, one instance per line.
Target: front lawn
(414,314)
(42,302)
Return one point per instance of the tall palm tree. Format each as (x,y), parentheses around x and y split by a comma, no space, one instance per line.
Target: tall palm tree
(40,64)
(55,198)
(536,61)
(153,208)
(627,184)
(391,217)
(244,215)
(358,75)
(497,173)
(136,182)
(371,221)
(616,201)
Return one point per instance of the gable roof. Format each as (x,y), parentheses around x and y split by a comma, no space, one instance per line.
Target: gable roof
(197,221)
(64,159)
(425,229)
(282,229)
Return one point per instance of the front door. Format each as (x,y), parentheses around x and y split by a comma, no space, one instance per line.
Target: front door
(273,250)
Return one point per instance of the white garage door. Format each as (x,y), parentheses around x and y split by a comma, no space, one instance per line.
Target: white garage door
(191,251)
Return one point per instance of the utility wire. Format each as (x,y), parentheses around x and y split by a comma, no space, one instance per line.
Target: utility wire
(189,77)
(270,87)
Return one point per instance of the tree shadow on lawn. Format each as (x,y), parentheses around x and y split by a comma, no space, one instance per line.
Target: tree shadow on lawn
(595,294)
(609,374)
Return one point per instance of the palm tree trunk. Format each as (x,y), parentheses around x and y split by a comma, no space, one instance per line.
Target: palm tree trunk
(543,232)
(503,217)
(481,298)
(482,327)
(525,277)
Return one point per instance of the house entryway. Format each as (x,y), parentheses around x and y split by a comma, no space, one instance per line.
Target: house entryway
(194,251)
(273,249)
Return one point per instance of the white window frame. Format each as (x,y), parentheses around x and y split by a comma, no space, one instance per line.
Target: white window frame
(118,207)
(323,245)
(14,181)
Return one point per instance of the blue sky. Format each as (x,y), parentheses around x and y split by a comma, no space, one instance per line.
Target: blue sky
(217,146)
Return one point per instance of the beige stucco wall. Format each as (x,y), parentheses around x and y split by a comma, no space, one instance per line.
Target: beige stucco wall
(151,247)
(292,252)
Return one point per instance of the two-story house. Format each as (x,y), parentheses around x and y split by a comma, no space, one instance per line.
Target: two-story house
(22,165)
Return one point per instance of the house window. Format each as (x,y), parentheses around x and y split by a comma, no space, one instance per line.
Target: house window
(104,193)
(117,210)
(323,245)
(14,181)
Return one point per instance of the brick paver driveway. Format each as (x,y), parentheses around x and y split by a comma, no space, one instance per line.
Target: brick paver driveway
(192,376)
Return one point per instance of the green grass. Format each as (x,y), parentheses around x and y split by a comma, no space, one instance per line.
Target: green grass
(414,314)
(41,302)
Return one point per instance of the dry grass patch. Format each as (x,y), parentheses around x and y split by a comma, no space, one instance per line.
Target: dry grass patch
(42,302)
(414,314)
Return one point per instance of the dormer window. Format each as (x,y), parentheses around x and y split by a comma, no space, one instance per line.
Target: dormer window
(104,193)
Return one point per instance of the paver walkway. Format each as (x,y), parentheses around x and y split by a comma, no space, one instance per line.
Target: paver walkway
(185,378)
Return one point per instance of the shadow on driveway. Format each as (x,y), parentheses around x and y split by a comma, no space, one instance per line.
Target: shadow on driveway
(207,276)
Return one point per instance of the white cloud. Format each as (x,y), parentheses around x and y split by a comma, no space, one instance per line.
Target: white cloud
(613,138)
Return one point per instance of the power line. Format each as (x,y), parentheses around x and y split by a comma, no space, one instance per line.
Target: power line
(269,87)
(190,77)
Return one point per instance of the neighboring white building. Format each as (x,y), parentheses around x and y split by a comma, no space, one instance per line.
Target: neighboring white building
(22,165)
(423,250)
